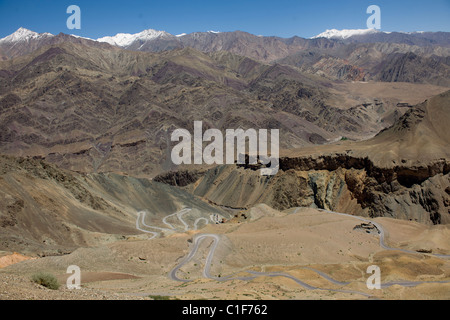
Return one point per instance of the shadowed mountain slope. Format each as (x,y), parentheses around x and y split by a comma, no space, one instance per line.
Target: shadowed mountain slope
(97,109)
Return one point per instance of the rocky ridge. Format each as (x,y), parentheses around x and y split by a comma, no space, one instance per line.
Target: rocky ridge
(403,172)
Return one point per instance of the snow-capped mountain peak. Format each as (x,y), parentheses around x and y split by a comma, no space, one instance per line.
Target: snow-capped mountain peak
(23,34)
(126,39)
(344,34)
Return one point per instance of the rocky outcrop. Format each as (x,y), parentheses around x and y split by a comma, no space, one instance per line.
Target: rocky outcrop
(339,183)
(179,178)
(388,177)
(367,227)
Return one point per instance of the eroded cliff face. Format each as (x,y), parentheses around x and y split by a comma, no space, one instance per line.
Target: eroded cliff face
(339,183)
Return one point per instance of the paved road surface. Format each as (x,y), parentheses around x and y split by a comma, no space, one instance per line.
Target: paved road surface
(140,220)
(216,238)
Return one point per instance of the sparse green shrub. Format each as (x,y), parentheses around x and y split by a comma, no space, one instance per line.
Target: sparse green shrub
(158,297)
(46,279)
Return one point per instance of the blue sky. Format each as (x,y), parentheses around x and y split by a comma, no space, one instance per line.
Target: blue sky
(284,18)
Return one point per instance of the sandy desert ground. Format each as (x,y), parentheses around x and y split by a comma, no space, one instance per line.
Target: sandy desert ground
(291,248)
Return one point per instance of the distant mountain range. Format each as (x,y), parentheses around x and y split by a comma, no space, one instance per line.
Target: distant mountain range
(155,41)
(109,104)
(346,54)
(127,39)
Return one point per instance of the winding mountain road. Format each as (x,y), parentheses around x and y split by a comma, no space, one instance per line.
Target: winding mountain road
(140,220)
(382,234)
(197,240)
(216,238)
(179,215)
